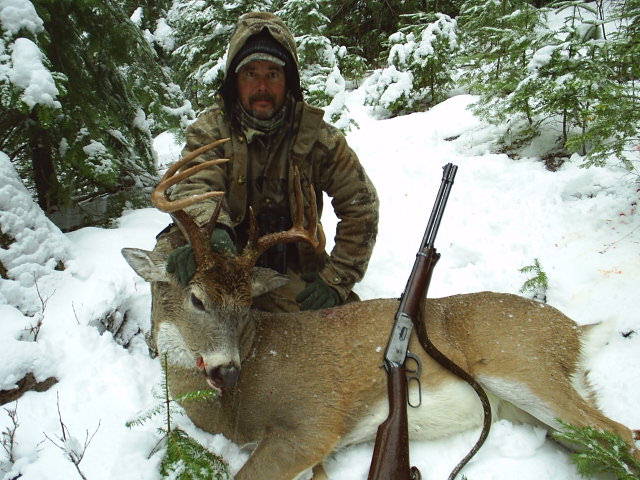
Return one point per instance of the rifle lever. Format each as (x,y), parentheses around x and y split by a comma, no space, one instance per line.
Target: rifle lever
(413,376)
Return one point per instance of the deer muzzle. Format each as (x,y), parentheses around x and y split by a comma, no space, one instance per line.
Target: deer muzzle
(222,377)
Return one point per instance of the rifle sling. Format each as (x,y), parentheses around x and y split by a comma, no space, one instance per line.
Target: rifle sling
(443,360)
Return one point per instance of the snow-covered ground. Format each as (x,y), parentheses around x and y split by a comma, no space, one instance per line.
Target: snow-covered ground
(581,224)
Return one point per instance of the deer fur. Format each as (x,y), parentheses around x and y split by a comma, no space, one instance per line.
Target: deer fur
(301,385)
(310,382)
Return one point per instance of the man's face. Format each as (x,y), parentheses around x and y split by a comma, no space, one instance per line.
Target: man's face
(261,88)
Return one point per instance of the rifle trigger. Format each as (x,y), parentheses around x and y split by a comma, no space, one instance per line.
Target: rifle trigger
(418,371)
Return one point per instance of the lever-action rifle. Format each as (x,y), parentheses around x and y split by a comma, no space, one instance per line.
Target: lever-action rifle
(390,459)
(391,451)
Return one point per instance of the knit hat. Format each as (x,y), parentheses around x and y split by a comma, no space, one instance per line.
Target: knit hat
(261,47)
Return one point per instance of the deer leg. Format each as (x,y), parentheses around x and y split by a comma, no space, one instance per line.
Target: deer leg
(547,404)
(583,414)
(283,455)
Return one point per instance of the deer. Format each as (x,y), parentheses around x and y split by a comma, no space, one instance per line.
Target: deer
(299,386)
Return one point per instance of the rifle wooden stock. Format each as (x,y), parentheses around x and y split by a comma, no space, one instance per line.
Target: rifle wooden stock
(390,459)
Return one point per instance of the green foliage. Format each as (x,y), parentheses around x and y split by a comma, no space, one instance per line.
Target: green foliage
(202,31)
(149,11)
(614,128)
(320,60)
(94,136)
(538,284)
(168,406)
(574,80)
(419,66)
(499,39)
(364,27)
(186,459)
(600,452)
(574,83)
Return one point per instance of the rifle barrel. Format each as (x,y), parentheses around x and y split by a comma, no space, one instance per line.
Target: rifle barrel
(448,175)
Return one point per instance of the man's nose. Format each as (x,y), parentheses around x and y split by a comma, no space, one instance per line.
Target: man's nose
(261,84)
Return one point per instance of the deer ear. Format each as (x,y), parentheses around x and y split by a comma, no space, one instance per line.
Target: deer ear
(145,266)
(264,280)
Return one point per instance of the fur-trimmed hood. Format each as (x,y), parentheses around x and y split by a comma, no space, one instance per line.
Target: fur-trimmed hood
(255,23)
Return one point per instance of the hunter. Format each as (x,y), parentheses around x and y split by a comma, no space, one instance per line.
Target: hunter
(272,130)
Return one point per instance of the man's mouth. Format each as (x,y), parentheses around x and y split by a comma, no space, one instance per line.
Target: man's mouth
(262,100)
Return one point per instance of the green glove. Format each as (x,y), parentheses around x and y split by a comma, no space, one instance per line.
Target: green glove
(182,263)
(317,294)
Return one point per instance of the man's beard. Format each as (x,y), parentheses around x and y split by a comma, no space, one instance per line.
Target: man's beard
(263,96)
(251,124)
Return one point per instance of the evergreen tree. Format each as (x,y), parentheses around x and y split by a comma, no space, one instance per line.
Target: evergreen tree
(91,134)
(364,27)
(420,64)
(320,74)
(537,285)
(600,452)
(185,458)
(578,81)
(574,82)
(149,12)
(202,31)
(615,128)
(499,39)
(150,17)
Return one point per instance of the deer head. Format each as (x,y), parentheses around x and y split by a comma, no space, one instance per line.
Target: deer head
(202,324)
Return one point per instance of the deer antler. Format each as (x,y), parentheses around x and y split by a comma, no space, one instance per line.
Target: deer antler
(198,237)
(257,246)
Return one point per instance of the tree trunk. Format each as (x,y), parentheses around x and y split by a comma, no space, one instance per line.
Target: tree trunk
(44,171)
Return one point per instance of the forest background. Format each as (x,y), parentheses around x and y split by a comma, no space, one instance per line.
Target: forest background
(85,85)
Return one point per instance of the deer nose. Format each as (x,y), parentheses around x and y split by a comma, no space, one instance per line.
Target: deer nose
(225,376)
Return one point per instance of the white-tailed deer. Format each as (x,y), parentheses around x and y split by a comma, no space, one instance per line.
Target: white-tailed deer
(301,385)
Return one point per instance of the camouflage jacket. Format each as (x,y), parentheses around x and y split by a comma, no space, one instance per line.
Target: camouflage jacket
(318,150)
(324,160)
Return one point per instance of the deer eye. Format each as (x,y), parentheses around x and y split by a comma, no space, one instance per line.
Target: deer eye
(196,302)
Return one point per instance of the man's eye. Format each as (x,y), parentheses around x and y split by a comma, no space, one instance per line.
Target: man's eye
(196,302)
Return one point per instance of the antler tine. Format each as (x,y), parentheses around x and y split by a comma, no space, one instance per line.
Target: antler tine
(196,236)
(214,218)
(158,196)
(257,246)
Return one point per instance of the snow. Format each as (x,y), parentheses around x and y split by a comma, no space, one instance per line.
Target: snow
(137,16)
(37,248)
(582,225)
(30,74)
(16,15)
(26,69)
(141,122)
(164,36)
(389,84)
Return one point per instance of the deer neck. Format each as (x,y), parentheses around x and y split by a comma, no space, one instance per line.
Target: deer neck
(250,335)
